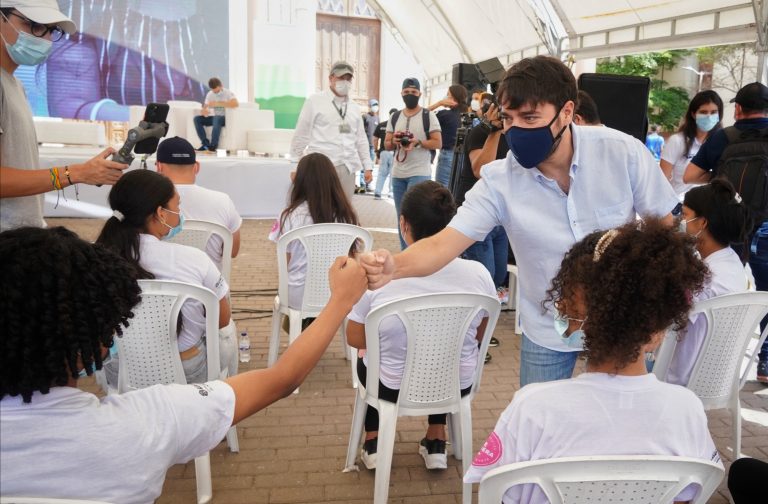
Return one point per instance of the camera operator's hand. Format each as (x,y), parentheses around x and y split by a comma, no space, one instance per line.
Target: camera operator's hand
(98,170)
(492,116)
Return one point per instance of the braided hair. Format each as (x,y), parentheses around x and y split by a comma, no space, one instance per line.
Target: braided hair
(62,300)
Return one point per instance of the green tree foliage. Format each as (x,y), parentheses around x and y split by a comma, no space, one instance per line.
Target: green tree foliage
(666,104)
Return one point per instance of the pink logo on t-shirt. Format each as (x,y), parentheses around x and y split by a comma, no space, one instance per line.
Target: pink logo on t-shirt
(275,226)
(490,453)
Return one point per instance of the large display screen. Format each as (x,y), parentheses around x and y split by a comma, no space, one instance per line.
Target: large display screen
(130,52)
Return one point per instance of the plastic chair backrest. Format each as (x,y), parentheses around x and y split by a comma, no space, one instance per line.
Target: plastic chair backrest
(731,322)
(436,326)
(148,349)
(323,243)
(45,500)
(615,479)
(197,233)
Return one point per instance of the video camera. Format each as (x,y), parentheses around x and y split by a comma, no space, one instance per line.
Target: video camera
(144,138)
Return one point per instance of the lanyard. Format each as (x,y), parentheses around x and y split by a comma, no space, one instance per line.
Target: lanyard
(339,110)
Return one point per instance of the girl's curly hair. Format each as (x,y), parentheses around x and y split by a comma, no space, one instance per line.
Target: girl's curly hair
(642,283)
(61,299)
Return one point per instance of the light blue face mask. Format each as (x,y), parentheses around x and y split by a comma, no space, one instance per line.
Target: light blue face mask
(28,49)
(576,338)
(706,122)
(174,230)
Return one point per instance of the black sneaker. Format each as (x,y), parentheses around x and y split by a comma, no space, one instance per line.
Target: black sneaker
(377,196)
(762,371)
(368,456)
(433,453)
(494,342)
(487,358)
(202,148)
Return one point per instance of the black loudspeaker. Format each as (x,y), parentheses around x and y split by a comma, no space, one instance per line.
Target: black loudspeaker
(468,76)
(492,71)
(622,101)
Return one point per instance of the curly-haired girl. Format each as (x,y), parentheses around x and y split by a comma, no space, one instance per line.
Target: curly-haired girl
(62,301)
(714,215)
(625,286)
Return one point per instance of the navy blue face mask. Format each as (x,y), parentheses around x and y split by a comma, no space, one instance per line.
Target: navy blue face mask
(531,146)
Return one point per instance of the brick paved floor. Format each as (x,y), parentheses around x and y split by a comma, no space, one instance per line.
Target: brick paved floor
(294,450)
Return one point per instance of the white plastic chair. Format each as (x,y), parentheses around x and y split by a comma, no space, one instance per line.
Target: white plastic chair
(149,353)
(323,243)
(436,326)
(46,500)
(630,479)
(197,233)
(717,377)
(514,293)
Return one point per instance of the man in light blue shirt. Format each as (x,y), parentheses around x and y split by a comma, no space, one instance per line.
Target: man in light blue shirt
(558,183)
(655,143)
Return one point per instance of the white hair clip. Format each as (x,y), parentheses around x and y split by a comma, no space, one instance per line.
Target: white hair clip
(117,214)
(737,197)
(603,243)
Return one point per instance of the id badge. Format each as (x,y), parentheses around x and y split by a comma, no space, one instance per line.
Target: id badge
(345,128)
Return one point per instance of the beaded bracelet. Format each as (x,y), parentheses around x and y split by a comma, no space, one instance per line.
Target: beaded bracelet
(77,192)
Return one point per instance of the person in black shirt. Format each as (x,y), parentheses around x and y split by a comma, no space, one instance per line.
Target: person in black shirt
(384,158)
(455,102)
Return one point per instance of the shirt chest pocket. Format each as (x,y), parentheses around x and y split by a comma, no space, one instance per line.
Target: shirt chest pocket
(612,216)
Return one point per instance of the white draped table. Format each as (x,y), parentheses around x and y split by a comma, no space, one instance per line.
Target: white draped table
(258,186)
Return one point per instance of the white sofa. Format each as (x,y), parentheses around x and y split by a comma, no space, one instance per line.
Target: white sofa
(245,117)
(59,131)
(274,141)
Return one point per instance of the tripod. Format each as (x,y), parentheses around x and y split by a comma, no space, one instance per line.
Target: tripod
(461,175)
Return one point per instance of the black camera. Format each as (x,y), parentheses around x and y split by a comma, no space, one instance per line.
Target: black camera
(466,119)
(403,138)
(487,102)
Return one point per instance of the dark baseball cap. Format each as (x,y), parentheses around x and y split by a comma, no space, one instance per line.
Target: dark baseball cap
(753,96)
(411,82)
(176,151)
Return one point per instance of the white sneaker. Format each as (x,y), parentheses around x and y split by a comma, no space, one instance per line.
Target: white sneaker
(368,455)
(433,453)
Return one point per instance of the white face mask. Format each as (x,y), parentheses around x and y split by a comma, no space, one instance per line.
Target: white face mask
(475,105)
(375,109)
(342,87)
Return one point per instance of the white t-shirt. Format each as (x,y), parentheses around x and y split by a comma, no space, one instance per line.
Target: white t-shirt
(297,266)
(419,160)
(459,274)
(171,261)
(70,444)
(727,277)
(222,96)
(674,154)
(595,414)
(204,204)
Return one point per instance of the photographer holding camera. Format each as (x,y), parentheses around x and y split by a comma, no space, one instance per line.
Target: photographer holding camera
(412,133)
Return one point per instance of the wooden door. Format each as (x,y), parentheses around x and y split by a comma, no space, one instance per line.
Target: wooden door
(356,40)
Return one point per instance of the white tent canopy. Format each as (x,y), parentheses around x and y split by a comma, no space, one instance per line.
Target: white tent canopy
(441,33)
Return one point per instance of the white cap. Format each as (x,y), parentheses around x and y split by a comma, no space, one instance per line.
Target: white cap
(43,12)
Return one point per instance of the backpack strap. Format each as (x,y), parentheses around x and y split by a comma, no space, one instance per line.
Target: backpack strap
(394,118)
(425,120)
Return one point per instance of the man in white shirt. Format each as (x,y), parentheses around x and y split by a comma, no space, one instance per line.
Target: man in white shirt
(176,160)
(332,124)
(559,183)
(219,99)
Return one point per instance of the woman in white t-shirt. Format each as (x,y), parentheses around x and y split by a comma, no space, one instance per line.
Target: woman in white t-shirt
(619,291)
(704,115)
(425,210)
(715,216)
(146,212)
(316,198)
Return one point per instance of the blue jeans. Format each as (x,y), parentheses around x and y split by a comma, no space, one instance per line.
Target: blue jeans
(217,122)
(491,253)
(444,165)
(539,364)
(758,262)
(399,187)
(386,158)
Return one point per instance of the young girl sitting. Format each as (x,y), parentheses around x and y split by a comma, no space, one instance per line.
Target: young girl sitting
(145,209)
(714,216)
(619,290)
(316,198)
(425,210)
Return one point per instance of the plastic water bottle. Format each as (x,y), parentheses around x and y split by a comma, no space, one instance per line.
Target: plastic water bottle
(245,347)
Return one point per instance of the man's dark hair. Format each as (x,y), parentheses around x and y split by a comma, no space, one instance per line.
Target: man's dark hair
(541,79)
(427,207)
(587,108)
(214,82)
(63,299)
(654,128)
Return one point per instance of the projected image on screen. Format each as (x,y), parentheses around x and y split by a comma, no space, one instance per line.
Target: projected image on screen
(131,52)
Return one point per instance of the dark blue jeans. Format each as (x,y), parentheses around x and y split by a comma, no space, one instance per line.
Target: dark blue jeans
(491,253)
(758,262)
(217,122)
